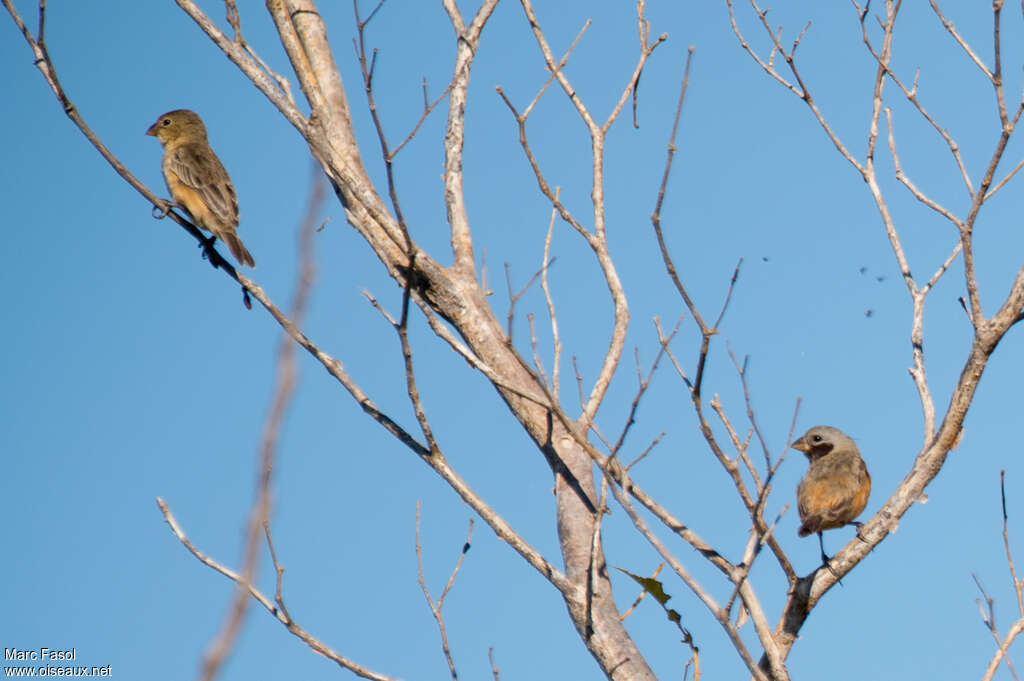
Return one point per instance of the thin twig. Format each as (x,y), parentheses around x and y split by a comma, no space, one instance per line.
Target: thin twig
(235,19)
(513,297)
(960,41)
(494,665)
(644,383)
(1018,585)
(436,607)
(556,343)
(279,614)
(646,451)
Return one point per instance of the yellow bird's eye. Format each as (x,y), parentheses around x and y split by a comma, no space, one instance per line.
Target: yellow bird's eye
(816,438)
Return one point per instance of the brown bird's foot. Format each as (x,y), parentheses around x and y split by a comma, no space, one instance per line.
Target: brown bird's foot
(825,560)
(859,525)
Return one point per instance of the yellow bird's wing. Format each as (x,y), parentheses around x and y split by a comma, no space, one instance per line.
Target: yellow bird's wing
(199,169)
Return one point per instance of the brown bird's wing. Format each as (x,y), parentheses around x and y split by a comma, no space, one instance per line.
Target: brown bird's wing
(199,169)
(860,499)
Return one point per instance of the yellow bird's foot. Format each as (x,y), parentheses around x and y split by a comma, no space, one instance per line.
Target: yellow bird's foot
(161,210)
(208,252)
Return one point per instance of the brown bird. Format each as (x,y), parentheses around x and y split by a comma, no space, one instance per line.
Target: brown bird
(837,485)
(197,180)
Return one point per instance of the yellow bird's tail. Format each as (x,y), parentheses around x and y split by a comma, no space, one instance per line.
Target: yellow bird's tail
(237,248)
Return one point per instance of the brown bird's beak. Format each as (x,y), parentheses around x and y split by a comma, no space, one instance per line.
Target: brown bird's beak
(152,130)
(801,445)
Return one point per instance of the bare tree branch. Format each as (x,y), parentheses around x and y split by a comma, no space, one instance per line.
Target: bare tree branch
(596,240)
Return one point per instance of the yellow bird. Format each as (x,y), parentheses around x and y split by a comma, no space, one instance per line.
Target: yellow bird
(197,180)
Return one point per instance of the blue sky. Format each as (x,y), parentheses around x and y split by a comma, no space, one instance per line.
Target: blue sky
(131,370)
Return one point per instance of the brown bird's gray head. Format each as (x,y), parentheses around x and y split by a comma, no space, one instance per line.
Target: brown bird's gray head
(820,440)
(177,124)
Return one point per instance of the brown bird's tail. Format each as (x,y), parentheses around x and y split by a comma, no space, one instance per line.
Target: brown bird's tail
(237,248)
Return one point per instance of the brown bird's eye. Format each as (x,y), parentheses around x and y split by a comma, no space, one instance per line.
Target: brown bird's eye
(167,121)
(816,438)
